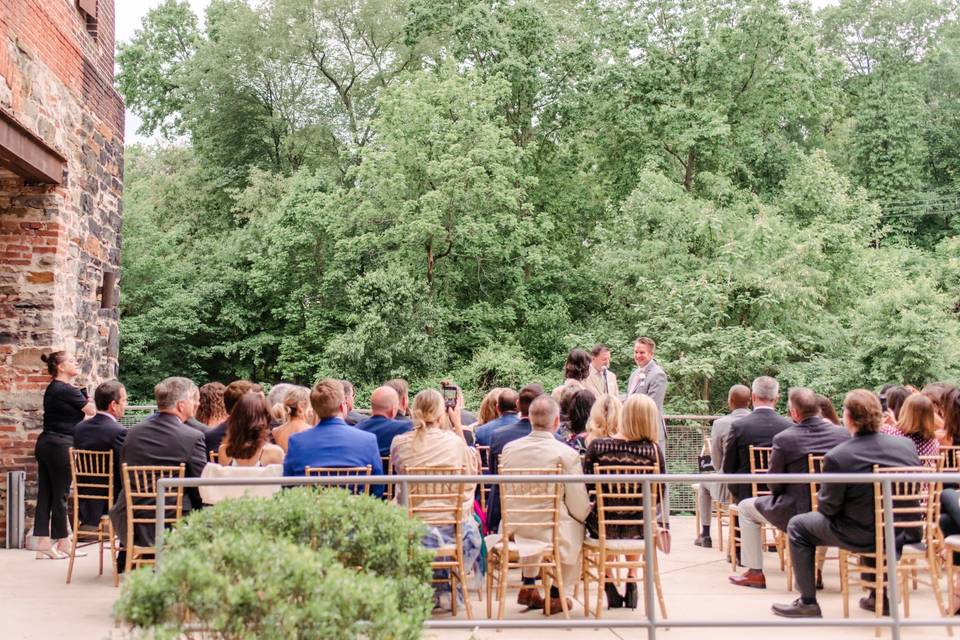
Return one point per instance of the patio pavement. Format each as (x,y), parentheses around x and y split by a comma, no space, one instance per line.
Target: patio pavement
(35,602)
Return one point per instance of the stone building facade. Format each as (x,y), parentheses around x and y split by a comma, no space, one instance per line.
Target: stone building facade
(61,172)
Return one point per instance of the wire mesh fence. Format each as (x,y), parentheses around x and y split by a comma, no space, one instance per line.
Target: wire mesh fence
(685,435)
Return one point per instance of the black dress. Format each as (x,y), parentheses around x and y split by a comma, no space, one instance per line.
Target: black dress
(616,452)
(62,411)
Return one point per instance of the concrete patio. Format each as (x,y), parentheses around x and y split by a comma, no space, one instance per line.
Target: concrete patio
(36,604)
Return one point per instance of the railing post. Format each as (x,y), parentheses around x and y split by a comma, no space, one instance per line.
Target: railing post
(890,553)
(161,516)
(649,551)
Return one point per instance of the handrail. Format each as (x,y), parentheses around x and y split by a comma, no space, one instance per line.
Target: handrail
(651,624)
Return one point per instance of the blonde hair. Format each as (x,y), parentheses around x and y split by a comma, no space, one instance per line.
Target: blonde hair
(488,406)
(427,411)
(918,416)
(292,402)
(640,419)
(604,418)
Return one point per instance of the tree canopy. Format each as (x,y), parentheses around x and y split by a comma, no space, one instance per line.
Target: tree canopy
(382,188)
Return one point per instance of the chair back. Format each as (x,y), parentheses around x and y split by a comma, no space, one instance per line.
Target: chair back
(951,458)
(140,493)
(760,463)
(932,463)
(814,465)
(913,502)
(345,472)
(438,502)
(530,506)
(91,473)
(387,471)
(621,503)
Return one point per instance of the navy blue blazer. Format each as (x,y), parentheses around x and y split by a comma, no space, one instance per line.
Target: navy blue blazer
(385,429)
(485,432)
(100,433)
(333,443)
(213,437)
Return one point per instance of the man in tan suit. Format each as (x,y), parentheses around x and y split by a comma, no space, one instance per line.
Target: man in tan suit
(541,449)
(601,380)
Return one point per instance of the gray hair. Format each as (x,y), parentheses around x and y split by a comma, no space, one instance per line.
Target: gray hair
(279,391)
(543,411)
(766,388)
(170,391)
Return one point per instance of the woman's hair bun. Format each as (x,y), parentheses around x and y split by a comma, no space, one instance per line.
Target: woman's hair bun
(44,357)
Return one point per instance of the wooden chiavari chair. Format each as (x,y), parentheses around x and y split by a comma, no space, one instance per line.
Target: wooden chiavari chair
(441,504)
(91,473)
(484,489)
(355,488)
(769,534)
(912,508)
(951,459)
(620,504)
(526,506)
(140,493)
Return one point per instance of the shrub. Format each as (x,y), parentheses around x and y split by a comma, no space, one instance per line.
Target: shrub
(284,567)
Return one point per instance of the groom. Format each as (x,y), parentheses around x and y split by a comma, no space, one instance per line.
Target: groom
(649,378)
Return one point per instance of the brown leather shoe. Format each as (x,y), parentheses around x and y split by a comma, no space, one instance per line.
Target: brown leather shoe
(526,595)
(752,578)
(535,600)
(556,606)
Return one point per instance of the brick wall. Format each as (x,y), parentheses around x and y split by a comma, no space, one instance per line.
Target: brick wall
(56,240)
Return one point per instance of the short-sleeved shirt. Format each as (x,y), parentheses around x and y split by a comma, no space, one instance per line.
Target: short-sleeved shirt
(62,407)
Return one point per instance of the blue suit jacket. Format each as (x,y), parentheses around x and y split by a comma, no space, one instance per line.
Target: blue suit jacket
(385,430)
(485,431)
(333,443)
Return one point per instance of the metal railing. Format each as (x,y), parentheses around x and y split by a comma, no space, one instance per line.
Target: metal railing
(652,622)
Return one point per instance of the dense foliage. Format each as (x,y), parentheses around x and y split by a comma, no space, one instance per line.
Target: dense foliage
(381,188)
(305,564)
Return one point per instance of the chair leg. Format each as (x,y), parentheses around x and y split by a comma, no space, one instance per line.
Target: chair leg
(489,581)
(503,583)
(463,586)
(719,510)
(584,580)
(113,553)
(453,579)
(560,587)
(659,587)
(844,583)
(546,577)
(601,580)
(73,549)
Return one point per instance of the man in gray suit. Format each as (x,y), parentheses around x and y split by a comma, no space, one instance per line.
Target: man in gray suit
(738,400)
(649,378)
(164,439)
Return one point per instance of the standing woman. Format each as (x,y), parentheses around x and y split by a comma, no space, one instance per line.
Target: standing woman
(64,406)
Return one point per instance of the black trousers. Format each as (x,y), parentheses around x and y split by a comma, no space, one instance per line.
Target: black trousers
(950,515)
(53,484)
(806,532)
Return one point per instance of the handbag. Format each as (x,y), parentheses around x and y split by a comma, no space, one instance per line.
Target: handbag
(705,459)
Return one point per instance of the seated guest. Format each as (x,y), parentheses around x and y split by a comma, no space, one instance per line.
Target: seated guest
(275,399)
(811,434)
(248,428)
(917,422)
(432,444)
(578,413)
(332,443)
(488,410)
(211,411)
(951,418)
(634,445)
(541,449)
(298,415)
(402,387)
(103,432)
(738,401)
(601,380)
(349,395)
(234,391)
(164,439)
(895,398)
(827,411)
(500,439)
(384,404)
(604,421)
(507,415)
(845,512)
(757,429)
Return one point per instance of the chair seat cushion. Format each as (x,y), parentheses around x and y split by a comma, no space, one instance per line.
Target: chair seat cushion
(616,545)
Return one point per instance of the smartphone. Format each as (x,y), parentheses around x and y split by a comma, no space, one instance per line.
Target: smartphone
(450,396)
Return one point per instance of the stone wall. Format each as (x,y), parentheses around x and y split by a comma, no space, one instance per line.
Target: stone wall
(56,241)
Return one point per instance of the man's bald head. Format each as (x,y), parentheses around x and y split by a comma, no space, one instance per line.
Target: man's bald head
(739,397)
(384,401)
